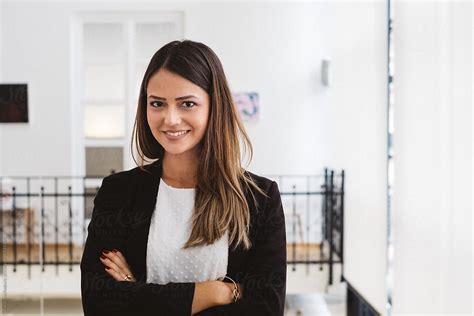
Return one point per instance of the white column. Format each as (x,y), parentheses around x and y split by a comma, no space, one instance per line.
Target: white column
(432,191)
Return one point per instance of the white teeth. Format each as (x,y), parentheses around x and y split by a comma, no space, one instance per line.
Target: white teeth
(177,133)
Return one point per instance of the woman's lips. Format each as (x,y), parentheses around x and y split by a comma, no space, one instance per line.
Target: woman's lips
(175,138)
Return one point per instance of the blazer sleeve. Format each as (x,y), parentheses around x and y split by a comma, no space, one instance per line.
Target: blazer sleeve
(265,281)
(103,295)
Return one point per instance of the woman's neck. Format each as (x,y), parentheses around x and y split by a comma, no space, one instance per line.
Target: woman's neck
(180,170)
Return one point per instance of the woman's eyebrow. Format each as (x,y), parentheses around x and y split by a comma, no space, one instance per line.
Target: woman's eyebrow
(177,99)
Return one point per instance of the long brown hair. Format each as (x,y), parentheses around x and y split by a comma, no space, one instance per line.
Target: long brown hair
(220,201)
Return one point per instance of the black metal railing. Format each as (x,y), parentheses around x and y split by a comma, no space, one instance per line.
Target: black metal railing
(38,224)
(334,218)
(40,221)
(329,219)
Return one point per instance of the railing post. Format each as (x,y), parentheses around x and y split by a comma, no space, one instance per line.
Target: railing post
(294,227)
(342,223)
(308,182)
(331,210)
(324,218)
(70,227)
(28,225)
(56,225)
(14,228)
(84,203)
(43,257)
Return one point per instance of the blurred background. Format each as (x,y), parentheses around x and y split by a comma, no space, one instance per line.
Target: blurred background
(361,111)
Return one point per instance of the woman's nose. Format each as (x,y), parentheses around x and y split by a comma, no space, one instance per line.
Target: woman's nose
(172,116)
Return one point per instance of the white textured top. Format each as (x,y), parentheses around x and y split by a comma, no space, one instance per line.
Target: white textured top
(170,228)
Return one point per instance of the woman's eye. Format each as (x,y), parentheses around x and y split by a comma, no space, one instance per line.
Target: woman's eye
(188,103)
(156,104)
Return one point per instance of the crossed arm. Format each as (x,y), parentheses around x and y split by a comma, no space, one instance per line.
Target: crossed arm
(206,294)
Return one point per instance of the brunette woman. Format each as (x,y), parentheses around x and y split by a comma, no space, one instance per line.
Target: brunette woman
(188,231)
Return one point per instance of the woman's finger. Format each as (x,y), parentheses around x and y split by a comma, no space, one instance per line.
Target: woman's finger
(114,273)
(118,268)
(119,254)
(119,261)
(109,263)
(122,258)
(118,275)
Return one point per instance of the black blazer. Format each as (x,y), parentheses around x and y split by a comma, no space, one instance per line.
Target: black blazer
(121,218)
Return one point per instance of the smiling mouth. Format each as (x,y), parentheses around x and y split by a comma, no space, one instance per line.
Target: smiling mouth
(177,133)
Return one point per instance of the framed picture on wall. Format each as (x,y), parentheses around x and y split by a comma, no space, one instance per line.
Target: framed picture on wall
(247,105)
(13,103)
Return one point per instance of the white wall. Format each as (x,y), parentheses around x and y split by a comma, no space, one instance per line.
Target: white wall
(433,160)
(36,52)
(356,118)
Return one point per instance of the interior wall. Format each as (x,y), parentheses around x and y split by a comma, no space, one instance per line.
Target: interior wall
(357,125)
(432,194)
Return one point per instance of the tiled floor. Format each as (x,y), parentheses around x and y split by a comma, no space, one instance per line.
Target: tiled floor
(51,306)
(308,292)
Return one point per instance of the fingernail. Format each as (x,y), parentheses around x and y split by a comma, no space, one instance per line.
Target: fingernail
(103,257)
(105,251)
(108,268)
(114,250)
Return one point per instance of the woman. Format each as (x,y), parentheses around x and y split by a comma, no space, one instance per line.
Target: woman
(192,233)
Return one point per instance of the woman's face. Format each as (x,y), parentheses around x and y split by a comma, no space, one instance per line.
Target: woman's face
(175,104)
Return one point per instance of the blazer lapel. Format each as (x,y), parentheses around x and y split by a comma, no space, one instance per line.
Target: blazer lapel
(146,191)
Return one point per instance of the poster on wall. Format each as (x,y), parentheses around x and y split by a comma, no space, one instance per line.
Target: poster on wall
(13,103)
(247,105)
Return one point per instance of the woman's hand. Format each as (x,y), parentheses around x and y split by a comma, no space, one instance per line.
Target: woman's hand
(116,265)
(226,294)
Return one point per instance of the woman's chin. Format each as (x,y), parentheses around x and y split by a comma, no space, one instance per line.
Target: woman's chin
(176,150)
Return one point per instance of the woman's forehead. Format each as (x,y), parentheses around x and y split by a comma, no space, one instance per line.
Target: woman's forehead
(170,86)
